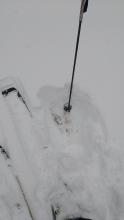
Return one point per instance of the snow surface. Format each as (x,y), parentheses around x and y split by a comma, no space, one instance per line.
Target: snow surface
(64,162)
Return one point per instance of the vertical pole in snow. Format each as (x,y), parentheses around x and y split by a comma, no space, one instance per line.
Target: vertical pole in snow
(83,9)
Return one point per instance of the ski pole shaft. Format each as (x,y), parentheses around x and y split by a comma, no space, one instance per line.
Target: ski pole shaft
(68,106)
(74,65)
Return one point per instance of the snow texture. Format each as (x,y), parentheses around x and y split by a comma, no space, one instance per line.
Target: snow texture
(62,165)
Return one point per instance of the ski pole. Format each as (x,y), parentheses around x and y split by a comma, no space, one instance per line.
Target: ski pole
(83,9)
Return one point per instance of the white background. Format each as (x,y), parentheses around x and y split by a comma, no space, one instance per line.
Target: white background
(37,42)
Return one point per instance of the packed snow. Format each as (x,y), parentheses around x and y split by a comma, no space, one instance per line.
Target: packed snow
(60,165)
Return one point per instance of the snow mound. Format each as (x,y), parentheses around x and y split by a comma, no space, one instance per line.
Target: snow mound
(83,171)
(83,125)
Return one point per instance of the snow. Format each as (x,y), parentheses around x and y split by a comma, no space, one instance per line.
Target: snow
(64,162)
(37,44)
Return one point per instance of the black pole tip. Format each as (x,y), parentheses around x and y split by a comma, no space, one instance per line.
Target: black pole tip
(67,107)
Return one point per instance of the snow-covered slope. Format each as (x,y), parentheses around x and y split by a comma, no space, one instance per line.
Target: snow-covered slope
(66,164)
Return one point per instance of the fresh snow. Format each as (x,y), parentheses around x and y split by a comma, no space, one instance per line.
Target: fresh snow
(61,165)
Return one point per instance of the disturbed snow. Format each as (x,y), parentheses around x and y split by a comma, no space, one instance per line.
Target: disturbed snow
(75,169)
